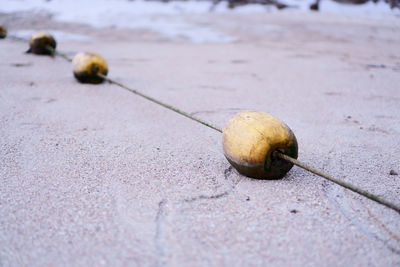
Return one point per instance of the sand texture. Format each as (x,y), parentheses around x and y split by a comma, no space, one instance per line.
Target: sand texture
(93,175)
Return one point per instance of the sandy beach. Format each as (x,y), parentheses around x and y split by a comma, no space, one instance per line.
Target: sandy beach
(93,175)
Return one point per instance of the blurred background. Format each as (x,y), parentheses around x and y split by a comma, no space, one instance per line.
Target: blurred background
(173,20)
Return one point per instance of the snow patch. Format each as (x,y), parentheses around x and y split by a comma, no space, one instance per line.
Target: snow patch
(58,35)
(171,19)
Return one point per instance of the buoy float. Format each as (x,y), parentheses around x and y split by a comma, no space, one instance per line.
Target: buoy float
(3,32)
(249,140)
(87,66)
(41,43)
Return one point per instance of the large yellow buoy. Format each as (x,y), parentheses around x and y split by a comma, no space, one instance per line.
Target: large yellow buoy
(87,66)
(249,140)
(3,32)
(42,43)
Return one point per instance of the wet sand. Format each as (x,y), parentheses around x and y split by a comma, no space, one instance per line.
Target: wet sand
(94,175)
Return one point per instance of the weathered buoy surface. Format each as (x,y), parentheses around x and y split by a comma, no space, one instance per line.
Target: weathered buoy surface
(249,140)
(3,32)
(87,66)
(41,43)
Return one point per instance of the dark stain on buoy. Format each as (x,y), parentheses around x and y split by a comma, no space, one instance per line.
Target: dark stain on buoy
(42,43)
(3,32)
(87,66)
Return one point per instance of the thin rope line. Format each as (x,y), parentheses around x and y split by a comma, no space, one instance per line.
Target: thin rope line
(16,38)
(58,53)
(181,112)
(170,107)
(337,181)
(296,162)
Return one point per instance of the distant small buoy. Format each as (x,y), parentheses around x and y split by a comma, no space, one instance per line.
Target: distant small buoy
(249,140)
(40,42)
(3,32)
(86,66)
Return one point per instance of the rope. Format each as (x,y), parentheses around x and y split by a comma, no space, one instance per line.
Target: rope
(58,53)
(181,112)
(16,38)
(339,182)
(294,161)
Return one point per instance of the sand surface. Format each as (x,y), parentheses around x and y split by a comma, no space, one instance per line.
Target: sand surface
(93,175)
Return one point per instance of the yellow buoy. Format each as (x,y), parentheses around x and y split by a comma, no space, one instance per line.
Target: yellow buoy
(249,140)
(3,32)
(41,43)
(87,66)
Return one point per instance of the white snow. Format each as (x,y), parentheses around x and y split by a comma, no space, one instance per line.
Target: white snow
(369,9)
(160,17)
(58,35)
(170,19)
